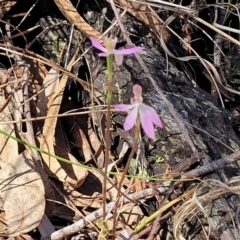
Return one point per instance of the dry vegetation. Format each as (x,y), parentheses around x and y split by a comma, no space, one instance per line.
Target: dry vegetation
(53,118)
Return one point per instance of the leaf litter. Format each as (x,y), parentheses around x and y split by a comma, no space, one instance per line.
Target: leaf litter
(34,195)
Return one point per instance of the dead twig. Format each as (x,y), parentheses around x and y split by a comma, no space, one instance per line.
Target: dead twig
(77,226)
(211,167)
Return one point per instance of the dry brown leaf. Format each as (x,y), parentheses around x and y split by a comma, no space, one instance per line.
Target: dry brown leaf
(71,170)
(51,82)
(84,145)
(96,145)
(72,15)
(89,143)
(8,146)
(24,237)
(9,150)
(3,225)
(73,174)
(22,191)
(48,138)
(138,185)
(90,192)
(5,6)
(126,182)
(49,85)
(91,196)
(131,215)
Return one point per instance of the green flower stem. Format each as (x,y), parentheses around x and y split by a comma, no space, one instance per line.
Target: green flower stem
(110,67)
(107,135)
(133,151)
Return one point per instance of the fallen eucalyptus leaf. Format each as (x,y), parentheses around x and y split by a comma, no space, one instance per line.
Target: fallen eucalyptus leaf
(22,191)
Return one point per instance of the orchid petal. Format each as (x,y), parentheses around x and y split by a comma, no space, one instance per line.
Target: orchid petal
(105,54)
(155,118)
(98,45)
(147,123)
(131,118)
(128,50)
(123,107)
(118,59)
(152,114)
(148,117)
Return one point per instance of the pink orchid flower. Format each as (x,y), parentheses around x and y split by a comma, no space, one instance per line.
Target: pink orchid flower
(109,48)
(148,116)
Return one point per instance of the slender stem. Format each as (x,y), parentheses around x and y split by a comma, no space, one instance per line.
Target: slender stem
(110,68)
(107,133)
(133,151)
